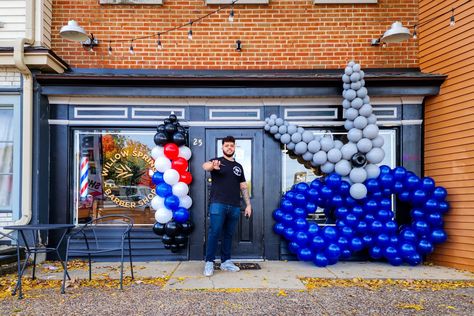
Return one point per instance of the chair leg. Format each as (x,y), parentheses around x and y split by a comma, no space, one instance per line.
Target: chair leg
(34,265)
(63,287)
(130,255)
(121,269)
(90,267)
(62,264)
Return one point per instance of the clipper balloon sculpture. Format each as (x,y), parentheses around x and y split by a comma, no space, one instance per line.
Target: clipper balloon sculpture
(357,191)
(172,180)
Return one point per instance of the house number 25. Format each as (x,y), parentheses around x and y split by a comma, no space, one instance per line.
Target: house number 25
(197,142)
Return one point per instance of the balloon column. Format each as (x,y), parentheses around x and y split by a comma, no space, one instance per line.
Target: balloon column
(361,205)
(172,180)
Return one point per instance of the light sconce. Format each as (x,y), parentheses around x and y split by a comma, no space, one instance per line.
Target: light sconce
(238,46)
(396,34)
(73,32)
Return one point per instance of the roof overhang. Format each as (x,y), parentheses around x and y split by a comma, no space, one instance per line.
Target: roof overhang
(36,58)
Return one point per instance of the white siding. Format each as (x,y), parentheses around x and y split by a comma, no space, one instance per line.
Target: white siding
(12,14)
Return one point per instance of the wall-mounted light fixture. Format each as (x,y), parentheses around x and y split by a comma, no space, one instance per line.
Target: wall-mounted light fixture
(73,32)
(238,46)
(396,34)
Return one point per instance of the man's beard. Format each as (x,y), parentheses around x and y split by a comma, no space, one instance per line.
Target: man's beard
(228,155)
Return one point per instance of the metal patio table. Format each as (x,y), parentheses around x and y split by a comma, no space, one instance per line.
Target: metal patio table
(36,247)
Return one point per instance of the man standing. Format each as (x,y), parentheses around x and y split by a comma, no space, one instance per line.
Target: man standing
(228,181)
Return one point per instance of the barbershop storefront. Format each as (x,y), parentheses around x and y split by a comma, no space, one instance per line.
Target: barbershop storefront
(111,118)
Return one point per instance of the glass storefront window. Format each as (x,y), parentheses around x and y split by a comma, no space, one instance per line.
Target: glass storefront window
(6,157)
(112,175)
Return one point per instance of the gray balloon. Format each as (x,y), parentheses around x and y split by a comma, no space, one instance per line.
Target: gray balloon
(367,100)
(372,119)
(375,155)
(296,137)
(301,148)
(371,131)
(291,129)
(348,124)
(358,191)
(362,74)
(285,138)
(273,116)
(348,71)
(334,155)
(366,110)
(360,122)
(348,150)
(356,85)
(364,145)
(327,143)
(327,167)
(346,104)
(267,127)
(286,123)
(320,157)
(282,129)
(378,141)
(362,82)
(346,78)
(350,94)
(373,171)
(307,136)
(291,146)
(314,146)
(279,121)
(346,86)
(338,144)
(274,129)
(300,130)
(358,175)
(308,156)
(355,77)
(351,114)
(351,63)
(271,122)
(277,136)
(354,135)
(362,92)
(343,168)
(357,103)
(356,67)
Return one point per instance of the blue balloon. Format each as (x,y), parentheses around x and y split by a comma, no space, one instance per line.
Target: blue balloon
(304,254)
(301,187)
(422,228)
(329,233)
(383,216)
(368,240)
(383,240)
(361,227)
(386,180)
(293,247)
(369,219)
(417,214)
(419,197)
(391,227)
(427,184)
(440,193)
(341,212)
(358,211)
(407,250)
(326,192)
(181,215)
(157,177)
(301,238)
(290,195)
(375,252)
(431,205)
(172,202)
(333,181)
(351,220)
(376,227)
(316,184)
(372,185)
(278,228)
(438,236)
(163,190)
(320,260)
(390,253)
(414,259)
(340,223)
(408,235)
(345,254)
(398,187)
(385,204)
(443,207)
(300,200)
(378,195)
(404,196)
(384,169)
(300,212)
(350,201)
(337,201)
(278,215)
(356,244)
(412,182)
(333,251)
(344,188)
(343,242)
(394,241)
(286,205)
(435,220)
(312,195)
(313,229)
(301,224)
(347,232)
(371,205)
(396,261)
(288,219)
(425,247)
(399,174)
(311,207)
(317,244)
(289,232)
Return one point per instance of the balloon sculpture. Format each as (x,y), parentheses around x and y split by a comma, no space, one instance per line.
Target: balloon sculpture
(356,191)
(172,180)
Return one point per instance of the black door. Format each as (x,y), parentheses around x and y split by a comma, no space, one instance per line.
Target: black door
(248,239)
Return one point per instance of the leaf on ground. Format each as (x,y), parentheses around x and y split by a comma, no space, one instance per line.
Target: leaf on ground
(282,293)
(416,307)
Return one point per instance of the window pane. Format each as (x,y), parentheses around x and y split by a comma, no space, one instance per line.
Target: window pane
(6,122)
(115,176)
(6,188)
(6,158)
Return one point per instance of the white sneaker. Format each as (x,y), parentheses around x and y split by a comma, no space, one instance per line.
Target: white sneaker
(229,266)
(209,268)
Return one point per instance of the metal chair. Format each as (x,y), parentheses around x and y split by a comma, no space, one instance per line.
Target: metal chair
(118,229)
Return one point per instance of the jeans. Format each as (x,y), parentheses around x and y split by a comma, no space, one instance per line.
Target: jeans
(224,219)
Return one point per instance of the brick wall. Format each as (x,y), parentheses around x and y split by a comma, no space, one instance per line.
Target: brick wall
(292,34)
(9,77)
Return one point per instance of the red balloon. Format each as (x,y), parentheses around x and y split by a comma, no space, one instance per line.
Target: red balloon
(186,177)
(171,151)
(180,164)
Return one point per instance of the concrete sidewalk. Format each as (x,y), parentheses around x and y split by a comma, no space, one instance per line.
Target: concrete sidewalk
(272,275)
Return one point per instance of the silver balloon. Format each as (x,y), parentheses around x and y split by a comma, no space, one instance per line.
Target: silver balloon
(327,143)
(334,155)
(350,94)
(358,175)
(371,131)
(307,136)
(348,150)
(338,144)
(291,129)
(357,103)
(307,156)
(351,114)
(372,119)
(378,141)
(375,155)
(285,138)
(327,167)
(296,137)
(279,121)
(301,148)
(348,124)
(282,129)
(362,92)
(355,77)
(360,122)
(291,146)
(366,110)
(320,157)
(354,135)
(314,146)
(274,129)
(358,191)
(364,145)
(346,104)
(343,168)
(277,136)
(373,171)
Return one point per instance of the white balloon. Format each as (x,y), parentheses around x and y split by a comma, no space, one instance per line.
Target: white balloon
(314,146)
(354,135)
(157,202)
(343,168)
(185,152)
(162,164)
(358,175)
(348,150)
(157,151)
(364,145)
(327,167)
(378,141)
(360,122)
(163,215)
(338,144)
(371,131)
(308,156)
(334,155)
(373,171)
(180,189)
(171,176)
(320,157)
(185,201)
(351,114)
(358,191)
(327,143)
(375,155)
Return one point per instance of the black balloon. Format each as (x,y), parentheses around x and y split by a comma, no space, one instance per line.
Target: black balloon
(358,160)
(159,229)
(160,139)
(166,121)
(170,129)
(161,128)
(167,246)
(172,228)
(178,139)
(180,239)
(181,245)
(167,240)
(173,118)
(181,129)
(174,248)
(187,227)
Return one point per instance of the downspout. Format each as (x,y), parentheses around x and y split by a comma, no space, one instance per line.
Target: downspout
(27,114)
